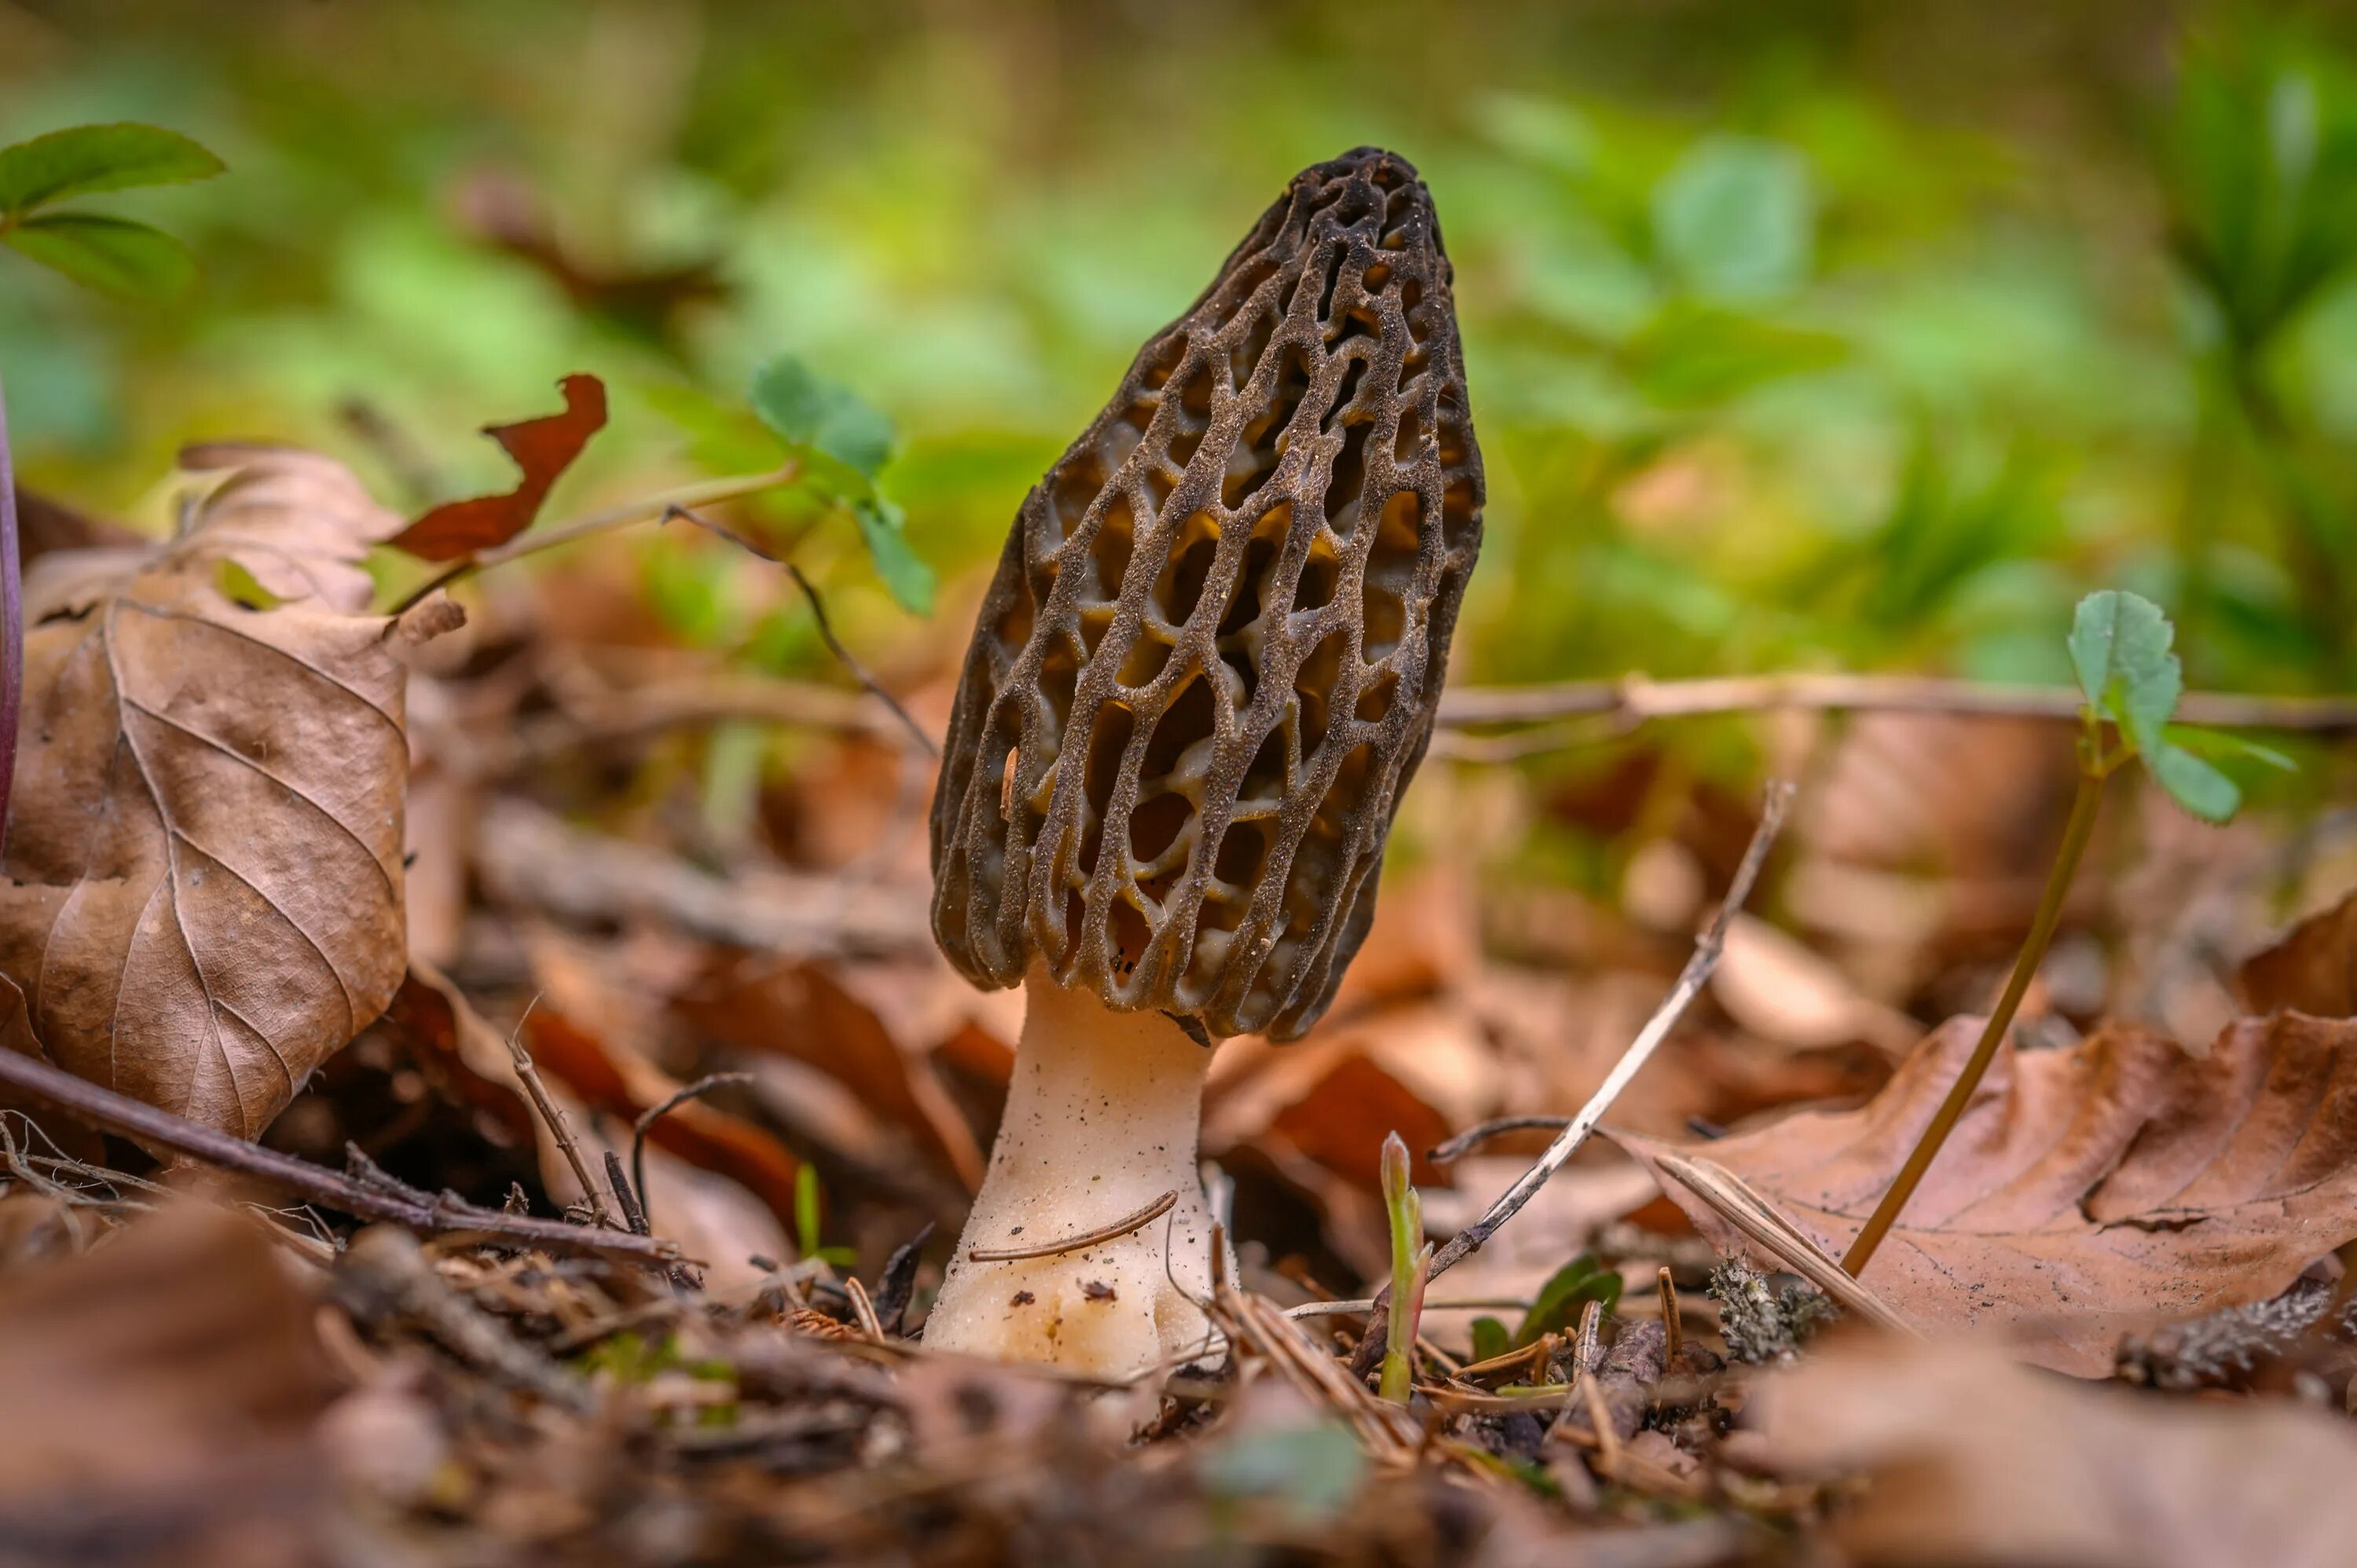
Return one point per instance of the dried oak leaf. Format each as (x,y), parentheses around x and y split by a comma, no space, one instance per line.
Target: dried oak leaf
(202,890)
(542,448)
(1977,1461)
(2086,1191)
(2314,969)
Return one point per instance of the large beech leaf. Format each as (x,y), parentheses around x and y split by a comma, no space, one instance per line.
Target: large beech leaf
(203,888)
(2086,1191)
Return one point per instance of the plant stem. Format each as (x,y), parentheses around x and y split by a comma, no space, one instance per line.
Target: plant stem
(2092,774)
(661,504)
(12,624)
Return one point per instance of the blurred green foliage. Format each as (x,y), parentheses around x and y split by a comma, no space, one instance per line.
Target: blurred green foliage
(1804,333)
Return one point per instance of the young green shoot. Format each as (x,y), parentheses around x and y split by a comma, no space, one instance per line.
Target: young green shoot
(1411,1263)
(2131,682)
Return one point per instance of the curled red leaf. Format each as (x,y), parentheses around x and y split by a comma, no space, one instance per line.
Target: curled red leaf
(542,448)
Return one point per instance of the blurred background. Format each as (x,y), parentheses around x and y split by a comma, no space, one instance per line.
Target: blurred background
(1815,335)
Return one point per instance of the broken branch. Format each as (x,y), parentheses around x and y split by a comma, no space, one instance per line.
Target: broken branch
(1632,700)
(111,1112)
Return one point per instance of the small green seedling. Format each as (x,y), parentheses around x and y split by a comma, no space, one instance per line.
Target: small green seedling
(806,1222)
(115,255)
(1410,1260)
(2132,680)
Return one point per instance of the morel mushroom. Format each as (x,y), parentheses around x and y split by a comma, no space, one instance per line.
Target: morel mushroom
(1207,666)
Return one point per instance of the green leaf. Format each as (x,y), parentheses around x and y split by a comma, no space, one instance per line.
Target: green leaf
(905,573)
(2218,744)
(1557,1306)
(1310,1470)
(808,410)
(1490,1339)
(2194,784)
(111,254)
(88,158)
(2119,646)
(1736,219)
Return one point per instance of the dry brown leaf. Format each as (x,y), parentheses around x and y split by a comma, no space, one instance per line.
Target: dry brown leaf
(1974,1460)
(203,897)
(2312,970)
(2087,1191)
(164,1382)
(71,1137)
(455,1044)
(803,1011)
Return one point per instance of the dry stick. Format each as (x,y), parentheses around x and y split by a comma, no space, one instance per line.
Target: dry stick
(1707,948)
(1113,1232)
(859,671)
(634,1213)
(826,627)
(400,1205)
(649,710)
(1657,1028)
(1634,699)
(1672,1330)
(1473,1137)
(2092,777)
(647,510)
(1629,702)
(559,1127)
(647,1118)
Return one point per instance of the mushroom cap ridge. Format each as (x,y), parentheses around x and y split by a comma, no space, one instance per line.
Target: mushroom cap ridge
(1209,658)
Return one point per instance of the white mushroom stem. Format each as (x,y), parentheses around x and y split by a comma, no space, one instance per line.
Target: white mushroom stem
(1101,1120)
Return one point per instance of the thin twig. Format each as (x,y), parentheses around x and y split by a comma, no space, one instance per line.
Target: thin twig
(645,510)
(1456,1148)
(647,1118)
(559,1127)
(1113,1232)
(1672,1326)
(1634,699)
(646,711)
(1707,948)
(858,671)
(844,656)
(1705,959)
(634,1213)
(111,1112)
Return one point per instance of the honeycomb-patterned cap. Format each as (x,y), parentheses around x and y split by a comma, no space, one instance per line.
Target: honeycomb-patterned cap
(1209,658)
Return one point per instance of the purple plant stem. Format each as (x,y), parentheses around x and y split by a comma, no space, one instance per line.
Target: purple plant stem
(12,626)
